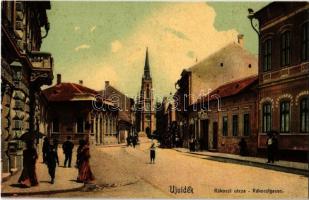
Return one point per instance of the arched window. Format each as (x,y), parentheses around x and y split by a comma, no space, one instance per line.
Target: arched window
(285,48)
(285,117)
(305,42)
(267,51)
(304,115)
(266,121)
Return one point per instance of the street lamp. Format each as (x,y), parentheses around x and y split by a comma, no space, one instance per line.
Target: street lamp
(254,22)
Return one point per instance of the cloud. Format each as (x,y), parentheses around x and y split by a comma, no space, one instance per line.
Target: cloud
(83,46)
(176,35)
(76,28)
(116,46)
(93,28)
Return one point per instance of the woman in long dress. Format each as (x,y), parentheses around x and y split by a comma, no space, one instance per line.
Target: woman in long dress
(84,171)
(28,176)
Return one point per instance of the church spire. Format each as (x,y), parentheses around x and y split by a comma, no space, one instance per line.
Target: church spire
(146,67)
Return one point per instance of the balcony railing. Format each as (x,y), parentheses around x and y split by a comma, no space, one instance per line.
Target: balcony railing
(41,60)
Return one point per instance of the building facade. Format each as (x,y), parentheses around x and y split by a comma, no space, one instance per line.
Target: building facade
(231,63)
(77,111)
(145,105)
(284,75)
(24,69)
(126,115)
(225,116)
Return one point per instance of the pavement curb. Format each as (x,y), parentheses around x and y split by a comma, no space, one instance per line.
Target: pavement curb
(4,194)
(251,163)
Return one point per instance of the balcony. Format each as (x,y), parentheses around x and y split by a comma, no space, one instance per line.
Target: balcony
(284,73)
(42,67)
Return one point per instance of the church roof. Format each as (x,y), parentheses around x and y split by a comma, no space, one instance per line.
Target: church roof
(147,67)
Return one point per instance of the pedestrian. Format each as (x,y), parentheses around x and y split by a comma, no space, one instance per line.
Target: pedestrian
(79,149)
(242,147)
(134,141)
(45,148)
(67,148)
(84,171)
(275,145)
(270,148)
(52,161)
(128,141)
(152,153)
(28,176)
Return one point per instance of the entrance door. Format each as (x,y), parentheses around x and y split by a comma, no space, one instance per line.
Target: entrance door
(215,135)
(204,131)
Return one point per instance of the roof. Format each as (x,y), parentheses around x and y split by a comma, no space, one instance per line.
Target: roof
(68,92)
(231,88)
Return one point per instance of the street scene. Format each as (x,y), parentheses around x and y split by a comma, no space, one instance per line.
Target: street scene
(154,99)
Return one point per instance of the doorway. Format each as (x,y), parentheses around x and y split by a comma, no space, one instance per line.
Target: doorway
(204,131)
(215,135)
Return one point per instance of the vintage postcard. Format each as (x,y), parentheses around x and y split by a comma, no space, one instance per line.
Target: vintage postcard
(152,99)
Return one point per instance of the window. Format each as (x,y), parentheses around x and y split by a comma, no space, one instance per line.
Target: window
(246,124)
(285,48)
(224,126)
(55,125)
(267,55)
(305,42)
(284,116)
(266,123)
(304,115)
(80,125)
(235,125)
(148,93)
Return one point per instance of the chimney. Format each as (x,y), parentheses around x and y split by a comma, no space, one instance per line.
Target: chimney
(240,38)
(58,79)
(106,84)
(81,82)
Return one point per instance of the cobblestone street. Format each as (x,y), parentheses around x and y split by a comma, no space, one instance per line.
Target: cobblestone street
(126,172)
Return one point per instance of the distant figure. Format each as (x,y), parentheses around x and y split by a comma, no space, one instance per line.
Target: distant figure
(52,161)
(270,148)
(152,153)
(134,141)
(67,150)
(79,149)
(242,147)
(28,176)
(45,148)
(84,172)
(128,141)
(191,144)
(275,146)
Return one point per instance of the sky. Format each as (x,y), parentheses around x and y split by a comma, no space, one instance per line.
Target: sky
(106,41)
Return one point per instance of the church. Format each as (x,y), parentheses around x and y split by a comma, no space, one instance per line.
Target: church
(145,118)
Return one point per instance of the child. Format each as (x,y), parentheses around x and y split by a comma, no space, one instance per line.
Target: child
(152,153)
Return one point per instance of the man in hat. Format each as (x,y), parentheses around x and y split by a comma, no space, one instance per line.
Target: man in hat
(67,150)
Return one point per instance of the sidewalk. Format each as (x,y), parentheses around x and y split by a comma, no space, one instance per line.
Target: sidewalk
(285,166)
(64,181)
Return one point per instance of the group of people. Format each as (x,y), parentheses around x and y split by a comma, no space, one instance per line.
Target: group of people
(132,140)
(28,176)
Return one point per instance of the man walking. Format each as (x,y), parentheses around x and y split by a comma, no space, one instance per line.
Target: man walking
(67,150)
(52,161)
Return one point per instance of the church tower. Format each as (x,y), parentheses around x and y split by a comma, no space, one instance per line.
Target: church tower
(146,116)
